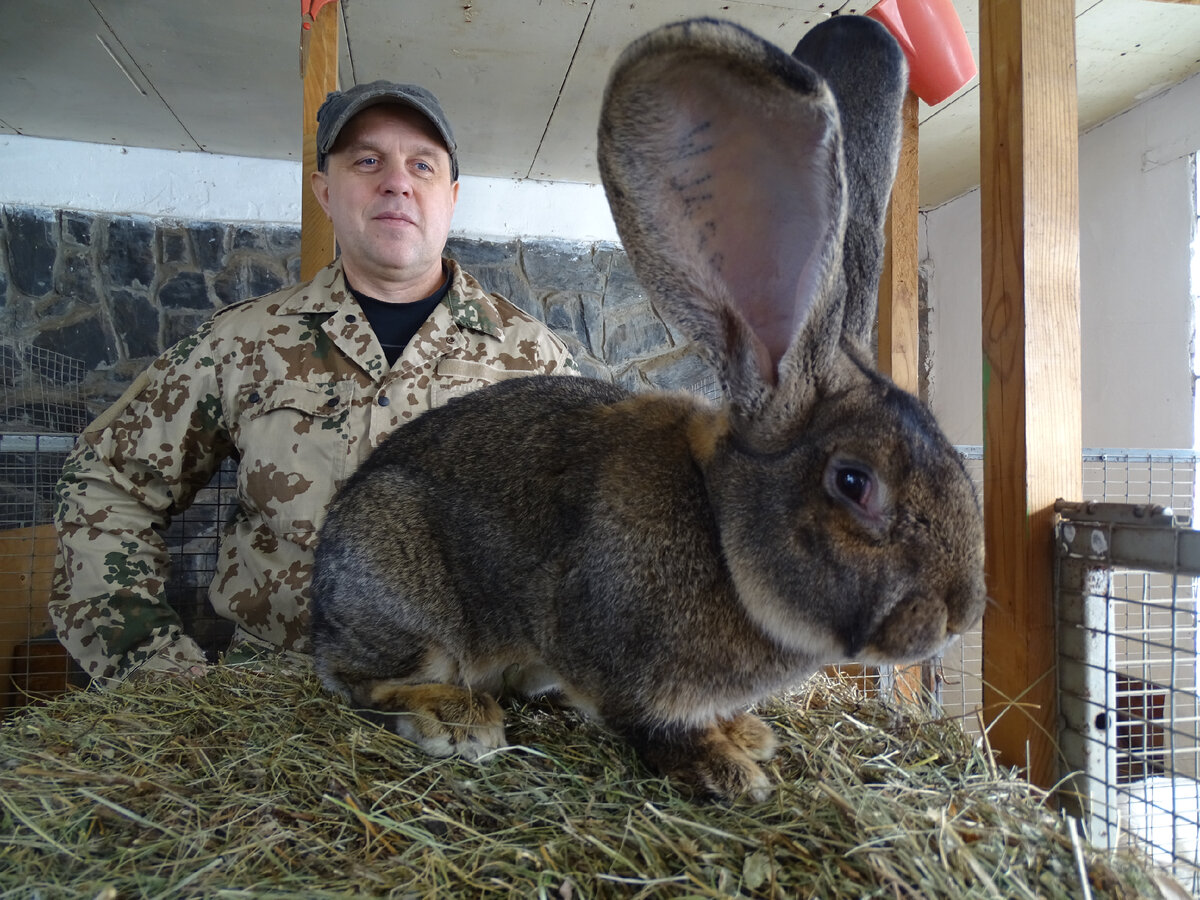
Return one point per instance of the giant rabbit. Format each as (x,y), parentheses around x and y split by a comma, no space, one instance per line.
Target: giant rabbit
(659,561)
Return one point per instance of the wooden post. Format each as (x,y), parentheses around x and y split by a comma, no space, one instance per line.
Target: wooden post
(1031,357)
(898,344)
(320,77)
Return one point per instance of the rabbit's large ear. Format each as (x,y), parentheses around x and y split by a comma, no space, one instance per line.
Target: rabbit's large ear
(866,70)
(721,157)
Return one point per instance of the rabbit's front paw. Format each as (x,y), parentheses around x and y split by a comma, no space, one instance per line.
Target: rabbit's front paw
(442,719)
(752,734)
(715,762)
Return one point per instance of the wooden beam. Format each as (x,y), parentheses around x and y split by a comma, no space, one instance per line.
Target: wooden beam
(1031,348)
(320,77)
(898,342)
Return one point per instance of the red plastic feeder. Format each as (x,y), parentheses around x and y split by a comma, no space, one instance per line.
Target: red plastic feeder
(932,37)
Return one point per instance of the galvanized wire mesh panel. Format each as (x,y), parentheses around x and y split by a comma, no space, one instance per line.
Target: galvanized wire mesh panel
(39,391)
(1163,477)
(41,412)
(193,538)
(30,660)
(29,468)
(1127,602)
(959,680)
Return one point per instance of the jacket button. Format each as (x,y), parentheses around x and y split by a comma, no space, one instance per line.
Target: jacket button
(332,401)
(351,318)
(255,397)
(384,401)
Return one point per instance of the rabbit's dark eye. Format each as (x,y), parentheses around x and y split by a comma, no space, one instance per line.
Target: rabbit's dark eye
(853,484)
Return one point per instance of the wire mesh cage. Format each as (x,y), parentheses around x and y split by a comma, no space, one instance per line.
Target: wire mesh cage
(30,660)
(1166,478)
(1134,732)
(1127,629)
(39,391)
(39,397)
(40,413)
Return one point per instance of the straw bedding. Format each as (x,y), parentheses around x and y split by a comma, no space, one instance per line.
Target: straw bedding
(255,783)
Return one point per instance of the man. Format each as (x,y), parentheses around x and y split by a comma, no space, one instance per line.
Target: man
(298,386)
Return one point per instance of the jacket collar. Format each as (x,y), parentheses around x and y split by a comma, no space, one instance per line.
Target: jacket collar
(468,304)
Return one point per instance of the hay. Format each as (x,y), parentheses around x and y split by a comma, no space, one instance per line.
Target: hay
(255,783)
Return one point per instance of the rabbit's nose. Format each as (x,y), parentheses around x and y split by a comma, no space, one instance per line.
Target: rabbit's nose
(964,607)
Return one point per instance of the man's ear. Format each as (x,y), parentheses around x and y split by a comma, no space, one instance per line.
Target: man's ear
(319,183)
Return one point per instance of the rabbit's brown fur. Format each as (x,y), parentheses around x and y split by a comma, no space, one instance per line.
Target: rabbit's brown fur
(661,562)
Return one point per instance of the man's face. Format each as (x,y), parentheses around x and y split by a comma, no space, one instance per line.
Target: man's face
(387,189)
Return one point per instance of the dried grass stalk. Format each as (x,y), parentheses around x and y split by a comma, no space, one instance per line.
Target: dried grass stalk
(254,782)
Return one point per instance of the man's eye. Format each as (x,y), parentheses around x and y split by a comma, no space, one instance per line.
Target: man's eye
(368,161)
(424,167)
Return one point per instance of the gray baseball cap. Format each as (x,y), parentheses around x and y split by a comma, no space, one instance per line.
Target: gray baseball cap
(341,106)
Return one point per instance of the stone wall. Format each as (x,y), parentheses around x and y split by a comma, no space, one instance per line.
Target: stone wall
(89,299)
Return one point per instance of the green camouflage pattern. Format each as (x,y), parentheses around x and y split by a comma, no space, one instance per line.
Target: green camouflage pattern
(296,386)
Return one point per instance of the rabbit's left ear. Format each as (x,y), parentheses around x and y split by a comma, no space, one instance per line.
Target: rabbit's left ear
(865,68)
(721,157)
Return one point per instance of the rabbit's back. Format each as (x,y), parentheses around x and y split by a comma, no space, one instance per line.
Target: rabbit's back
(509,468)
(453,493)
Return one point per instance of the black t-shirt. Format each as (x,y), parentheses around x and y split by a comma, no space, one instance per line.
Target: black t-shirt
(395,324)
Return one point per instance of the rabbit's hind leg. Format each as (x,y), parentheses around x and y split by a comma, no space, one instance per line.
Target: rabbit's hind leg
(441,719)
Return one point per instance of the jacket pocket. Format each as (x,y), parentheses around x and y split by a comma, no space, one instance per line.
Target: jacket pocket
(294,441)
(455,377)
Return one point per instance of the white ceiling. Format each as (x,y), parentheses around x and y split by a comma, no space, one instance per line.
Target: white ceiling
(520,79)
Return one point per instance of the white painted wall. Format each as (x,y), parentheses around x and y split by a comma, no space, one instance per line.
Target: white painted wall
(103,178)
(951,257)
(1137,214)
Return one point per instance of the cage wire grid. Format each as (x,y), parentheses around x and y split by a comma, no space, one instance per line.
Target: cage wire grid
(1127,606)
(1149,663)
(41,411)
(1163,477)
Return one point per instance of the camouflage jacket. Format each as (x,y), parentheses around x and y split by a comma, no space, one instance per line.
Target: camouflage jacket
(295,386)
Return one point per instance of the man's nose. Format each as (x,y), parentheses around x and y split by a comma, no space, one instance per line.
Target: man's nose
(396,180)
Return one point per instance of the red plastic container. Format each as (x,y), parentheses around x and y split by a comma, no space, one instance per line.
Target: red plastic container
(932,37)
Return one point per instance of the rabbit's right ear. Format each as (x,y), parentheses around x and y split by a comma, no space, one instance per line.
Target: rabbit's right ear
(865,69)
(722,160)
